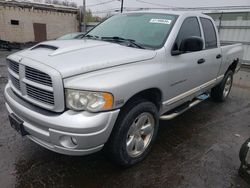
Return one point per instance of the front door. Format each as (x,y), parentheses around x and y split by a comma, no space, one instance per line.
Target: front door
(184,77)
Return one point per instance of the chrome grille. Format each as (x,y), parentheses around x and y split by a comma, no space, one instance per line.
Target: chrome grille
(15,82)
(35,84)
(40,94)
(14,66)
(37,76)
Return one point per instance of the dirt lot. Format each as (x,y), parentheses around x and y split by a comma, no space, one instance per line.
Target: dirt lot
(198,149)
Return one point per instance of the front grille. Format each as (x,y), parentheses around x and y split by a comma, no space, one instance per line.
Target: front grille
(36,86)
(40,94)
(14,66)
(15,82)
(38,76)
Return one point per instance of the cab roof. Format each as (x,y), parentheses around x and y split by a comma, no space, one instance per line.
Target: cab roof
(174,12)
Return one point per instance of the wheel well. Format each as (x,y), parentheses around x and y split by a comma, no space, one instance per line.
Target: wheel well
(153,95)
(233,66)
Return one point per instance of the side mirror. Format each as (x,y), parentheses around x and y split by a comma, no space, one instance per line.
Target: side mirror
(192,44)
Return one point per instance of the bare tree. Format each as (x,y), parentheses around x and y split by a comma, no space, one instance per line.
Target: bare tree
(73,4)
(48,1)
(38,1)
(56,2)
(64,3)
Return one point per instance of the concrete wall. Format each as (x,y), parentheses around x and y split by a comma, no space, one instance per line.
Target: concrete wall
(57,23)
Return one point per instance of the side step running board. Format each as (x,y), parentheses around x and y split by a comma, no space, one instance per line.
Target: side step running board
(181,110)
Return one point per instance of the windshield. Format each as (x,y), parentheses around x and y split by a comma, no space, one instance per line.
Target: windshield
(147,29)
(70,36)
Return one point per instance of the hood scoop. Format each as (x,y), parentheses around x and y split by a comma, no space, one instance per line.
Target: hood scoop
(68,49)
(44,46)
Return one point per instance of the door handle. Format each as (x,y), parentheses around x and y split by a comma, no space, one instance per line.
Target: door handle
(200,61)
(218,56)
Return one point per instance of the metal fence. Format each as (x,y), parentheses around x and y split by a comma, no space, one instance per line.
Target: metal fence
(234,27)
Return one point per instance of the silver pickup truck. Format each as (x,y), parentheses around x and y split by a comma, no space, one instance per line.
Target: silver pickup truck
(110,89)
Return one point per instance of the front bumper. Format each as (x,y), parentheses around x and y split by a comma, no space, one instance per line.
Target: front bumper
(89,131)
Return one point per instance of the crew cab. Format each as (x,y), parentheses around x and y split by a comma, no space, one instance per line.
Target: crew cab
(110,89)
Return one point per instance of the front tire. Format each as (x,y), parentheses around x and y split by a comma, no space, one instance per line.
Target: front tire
(243,151)
(134,133)
(220,92)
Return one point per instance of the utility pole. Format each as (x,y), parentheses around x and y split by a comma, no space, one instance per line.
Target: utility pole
(84,16)
(121,6)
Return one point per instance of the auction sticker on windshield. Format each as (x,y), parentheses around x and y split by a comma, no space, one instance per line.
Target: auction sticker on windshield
(160,21)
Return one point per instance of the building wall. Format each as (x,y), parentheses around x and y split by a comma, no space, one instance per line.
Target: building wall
(57,23)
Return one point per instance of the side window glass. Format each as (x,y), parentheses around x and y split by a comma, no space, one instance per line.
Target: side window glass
(209,33)
(189,28)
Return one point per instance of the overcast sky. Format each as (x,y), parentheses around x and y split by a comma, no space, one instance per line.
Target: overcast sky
(92,4)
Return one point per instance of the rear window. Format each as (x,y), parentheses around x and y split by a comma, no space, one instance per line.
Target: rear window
(209,33)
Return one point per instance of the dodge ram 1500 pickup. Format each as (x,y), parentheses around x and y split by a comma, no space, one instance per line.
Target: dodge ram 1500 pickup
(110,89)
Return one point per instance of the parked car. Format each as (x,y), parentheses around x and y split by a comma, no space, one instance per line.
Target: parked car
(5,45)
(77,35)
(244,155)
(109,91)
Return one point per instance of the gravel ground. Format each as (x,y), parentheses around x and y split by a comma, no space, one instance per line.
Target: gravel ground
(197,149)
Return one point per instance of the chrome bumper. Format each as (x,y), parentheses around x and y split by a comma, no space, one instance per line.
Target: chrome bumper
(70,133)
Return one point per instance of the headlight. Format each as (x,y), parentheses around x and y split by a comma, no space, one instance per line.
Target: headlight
(90,101)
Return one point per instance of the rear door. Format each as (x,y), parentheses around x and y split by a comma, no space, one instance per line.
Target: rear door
(211,53)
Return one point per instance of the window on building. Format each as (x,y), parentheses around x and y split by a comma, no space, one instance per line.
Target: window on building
(209,33)
(14,22)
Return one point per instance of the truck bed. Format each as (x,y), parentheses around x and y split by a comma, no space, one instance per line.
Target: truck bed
(230,53)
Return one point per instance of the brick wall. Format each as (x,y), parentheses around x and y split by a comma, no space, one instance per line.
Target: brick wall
(57,23)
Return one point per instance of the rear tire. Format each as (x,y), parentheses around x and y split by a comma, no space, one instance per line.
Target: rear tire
(220,92)
(134,133)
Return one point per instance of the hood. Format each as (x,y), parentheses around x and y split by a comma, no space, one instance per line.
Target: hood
(72,57)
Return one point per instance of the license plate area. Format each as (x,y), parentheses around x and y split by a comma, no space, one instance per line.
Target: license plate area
(17,124)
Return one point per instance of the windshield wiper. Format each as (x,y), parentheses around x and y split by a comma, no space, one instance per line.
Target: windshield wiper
(91,37)
(119,39)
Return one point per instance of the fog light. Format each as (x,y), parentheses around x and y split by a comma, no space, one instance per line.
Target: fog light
(73,140)
(68,141)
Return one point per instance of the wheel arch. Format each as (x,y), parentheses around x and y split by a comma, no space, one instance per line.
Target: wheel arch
(153,95)
(233,66)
